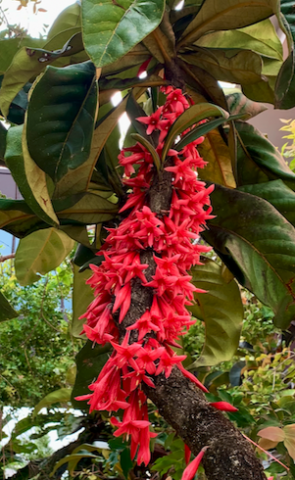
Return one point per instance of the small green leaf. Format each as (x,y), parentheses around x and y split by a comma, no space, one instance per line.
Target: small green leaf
(63,395)
(110,30)
(6,310)
(221,309)
(30,179)
(238,104)
(191,116)
(216,153)
(39,253)
(258,160)
(199,131)
(66,98)
(149,147)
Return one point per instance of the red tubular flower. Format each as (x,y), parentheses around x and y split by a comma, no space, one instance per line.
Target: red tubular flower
(192,468)
(172,238)
(187,454)
(224,406)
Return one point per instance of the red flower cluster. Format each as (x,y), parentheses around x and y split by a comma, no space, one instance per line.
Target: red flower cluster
(172,237)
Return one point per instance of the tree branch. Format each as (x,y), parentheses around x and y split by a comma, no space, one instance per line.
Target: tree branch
(179,401)
(3,258)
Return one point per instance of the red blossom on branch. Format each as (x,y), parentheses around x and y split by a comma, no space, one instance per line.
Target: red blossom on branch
(172,237)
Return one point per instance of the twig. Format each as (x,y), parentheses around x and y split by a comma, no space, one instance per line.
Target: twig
(3,258)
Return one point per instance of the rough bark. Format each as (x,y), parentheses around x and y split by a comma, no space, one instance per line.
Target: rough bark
(180,402)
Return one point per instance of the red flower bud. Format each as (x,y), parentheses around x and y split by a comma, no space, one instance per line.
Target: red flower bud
(224,406)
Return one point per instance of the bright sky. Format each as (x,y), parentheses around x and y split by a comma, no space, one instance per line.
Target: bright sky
(27,19)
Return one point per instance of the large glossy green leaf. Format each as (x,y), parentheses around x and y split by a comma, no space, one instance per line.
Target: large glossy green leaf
(229,65)
(29,62)
(238,104)
(285,85)
(258,245)
(227,15)
(6,310)
(39,253)
(277,194)
(70,17)
(30,179)
(260,38)
(192,115)
(89,361)
(216,153)
(110,30)
(63,395)
(221,309)
(66,101)
(258,160)
(82,297)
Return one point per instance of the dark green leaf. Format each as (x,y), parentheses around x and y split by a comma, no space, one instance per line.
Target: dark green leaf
(191,116)
(221,309)
(277,194)
(258,160)
(6,310)
(66,100)
(235,373)
(110,30)
(199,131)
(89,361)
(258,245)
(126,462)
